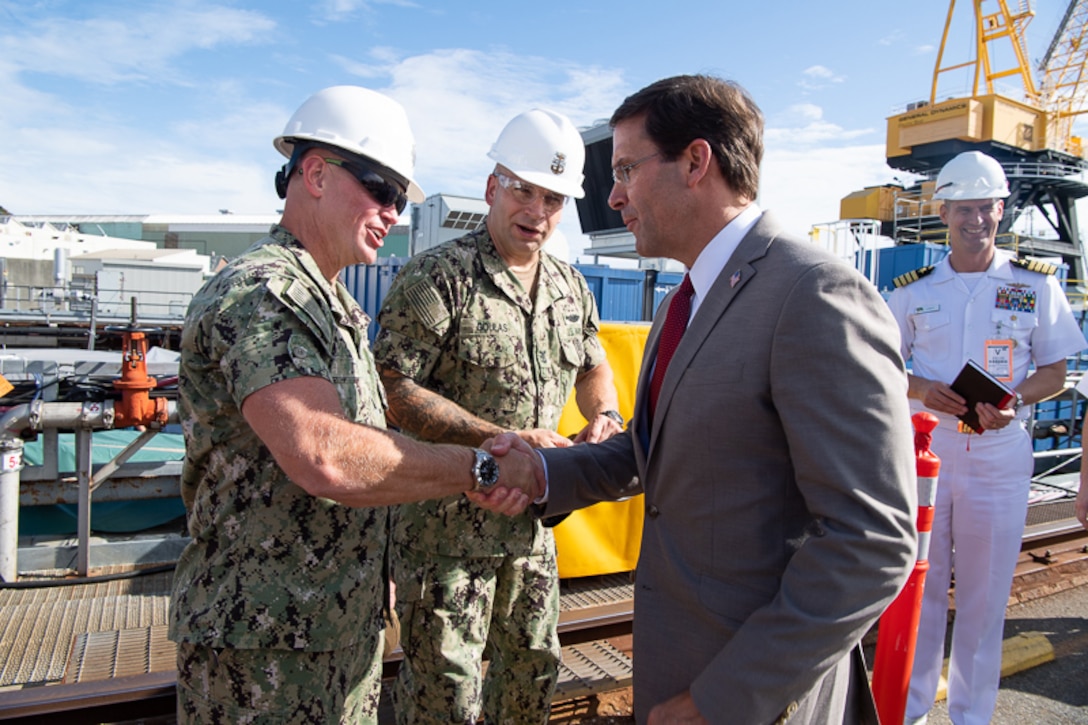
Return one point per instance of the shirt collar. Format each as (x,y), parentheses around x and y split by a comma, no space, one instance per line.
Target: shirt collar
(999,268)
(711,261)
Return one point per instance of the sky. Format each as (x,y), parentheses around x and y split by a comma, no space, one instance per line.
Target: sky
(146,107)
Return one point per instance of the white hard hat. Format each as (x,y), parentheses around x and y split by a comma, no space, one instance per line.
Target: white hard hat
(359,121)
(545,149)
(971,175)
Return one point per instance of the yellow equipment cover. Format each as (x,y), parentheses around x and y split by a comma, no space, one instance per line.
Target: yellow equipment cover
(605,538)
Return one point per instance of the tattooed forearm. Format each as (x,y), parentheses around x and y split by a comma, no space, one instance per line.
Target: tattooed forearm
(430,417)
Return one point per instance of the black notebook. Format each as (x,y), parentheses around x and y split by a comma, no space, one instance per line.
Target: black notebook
(977,385)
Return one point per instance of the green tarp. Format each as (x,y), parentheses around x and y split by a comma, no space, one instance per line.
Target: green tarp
(106,516)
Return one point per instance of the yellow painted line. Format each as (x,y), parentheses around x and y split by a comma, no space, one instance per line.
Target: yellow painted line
(1019,653)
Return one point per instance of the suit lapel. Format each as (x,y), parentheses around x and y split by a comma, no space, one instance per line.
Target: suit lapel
(638,421)
(738,272)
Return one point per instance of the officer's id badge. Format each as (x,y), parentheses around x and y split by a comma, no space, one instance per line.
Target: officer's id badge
(999,359)
(1016,297)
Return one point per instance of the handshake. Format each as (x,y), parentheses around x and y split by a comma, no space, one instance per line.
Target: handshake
(521,468)
(521,476)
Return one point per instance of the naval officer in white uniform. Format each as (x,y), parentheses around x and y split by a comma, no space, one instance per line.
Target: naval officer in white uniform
(1008,315)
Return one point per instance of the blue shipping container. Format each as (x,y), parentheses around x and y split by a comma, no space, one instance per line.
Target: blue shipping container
(619,292)
(369,283)
(903,258)
(900,259)
(665,281)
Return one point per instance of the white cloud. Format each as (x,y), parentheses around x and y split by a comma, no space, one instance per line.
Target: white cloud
(803,112)
(819,71)
(891,38)
(818,77)
(810,164)
(803,125)
(339,10)
(805,187)
(458,101)
(87,146)
(216,151)
(107,50)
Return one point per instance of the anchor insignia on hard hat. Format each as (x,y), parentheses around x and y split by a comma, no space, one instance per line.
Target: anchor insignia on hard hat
(559,163)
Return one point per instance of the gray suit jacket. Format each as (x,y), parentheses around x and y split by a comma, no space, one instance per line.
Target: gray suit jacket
(780,490)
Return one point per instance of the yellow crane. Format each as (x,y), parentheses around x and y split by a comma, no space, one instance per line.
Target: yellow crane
(1063,91)
(991,29)
(1060,94)
(1037,116)
(1020,115)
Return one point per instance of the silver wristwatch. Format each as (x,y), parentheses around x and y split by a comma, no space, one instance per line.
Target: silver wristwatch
(1018,403)
(485,471)
(614,415)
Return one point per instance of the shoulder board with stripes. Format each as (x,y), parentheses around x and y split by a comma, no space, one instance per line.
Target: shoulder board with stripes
(1034,265)
(912,276)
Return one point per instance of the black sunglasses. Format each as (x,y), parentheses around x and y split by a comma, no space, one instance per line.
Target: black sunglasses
(384,191)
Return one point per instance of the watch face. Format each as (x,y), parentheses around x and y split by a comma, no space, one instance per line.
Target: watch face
(489,471)
(486,470)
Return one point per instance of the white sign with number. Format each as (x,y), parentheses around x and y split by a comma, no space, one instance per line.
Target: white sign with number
(11,461)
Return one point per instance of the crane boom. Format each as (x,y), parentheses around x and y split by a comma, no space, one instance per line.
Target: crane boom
(991,27)
(1063,90)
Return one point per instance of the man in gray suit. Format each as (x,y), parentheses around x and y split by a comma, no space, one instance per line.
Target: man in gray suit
(777,462)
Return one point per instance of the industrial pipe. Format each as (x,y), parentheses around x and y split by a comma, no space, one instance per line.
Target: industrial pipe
(83,418)
(11,462)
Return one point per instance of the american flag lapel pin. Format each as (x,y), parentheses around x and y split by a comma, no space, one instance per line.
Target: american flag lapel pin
(734,279)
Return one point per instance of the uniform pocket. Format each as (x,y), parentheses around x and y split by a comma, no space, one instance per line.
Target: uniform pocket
(573,351)
(1017,326)
(932,339)
(488,351)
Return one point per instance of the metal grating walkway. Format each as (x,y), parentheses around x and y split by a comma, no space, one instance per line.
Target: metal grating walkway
(82,632)
(39,626)
(104,655)
(590,668)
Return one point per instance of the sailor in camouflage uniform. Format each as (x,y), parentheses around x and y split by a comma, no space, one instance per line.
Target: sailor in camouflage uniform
(484,334)
(277,600)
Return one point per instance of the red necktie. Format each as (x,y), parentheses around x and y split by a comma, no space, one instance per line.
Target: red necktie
(675,323)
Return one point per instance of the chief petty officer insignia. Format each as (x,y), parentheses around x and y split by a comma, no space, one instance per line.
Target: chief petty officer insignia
(912,276)
(559,163)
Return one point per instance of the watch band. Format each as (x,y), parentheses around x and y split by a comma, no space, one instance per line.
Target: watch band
(614,415)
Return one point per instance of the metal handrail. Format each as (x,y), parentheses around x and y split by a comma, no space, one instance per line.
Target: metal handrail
(48,299)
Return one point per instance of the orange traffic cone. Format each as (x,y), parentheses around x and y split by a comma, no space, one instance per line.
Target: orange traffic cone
(898,632)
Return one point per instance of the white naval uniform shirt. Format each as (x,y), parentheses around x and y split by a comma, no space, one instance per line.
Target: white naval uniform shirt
(944,321)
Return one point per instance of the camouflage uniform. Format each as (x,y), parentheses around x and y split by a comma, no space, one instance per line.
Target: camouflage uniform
(270,568)
(458,322)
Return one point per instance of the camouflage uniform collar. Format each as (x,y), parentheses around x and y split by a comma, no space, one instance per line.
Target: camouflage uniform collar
(343,305)
(290,243)
(551,282)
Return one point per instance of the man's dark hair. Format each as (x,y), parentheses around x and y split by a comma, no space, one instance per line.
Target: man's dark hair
(680,109)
